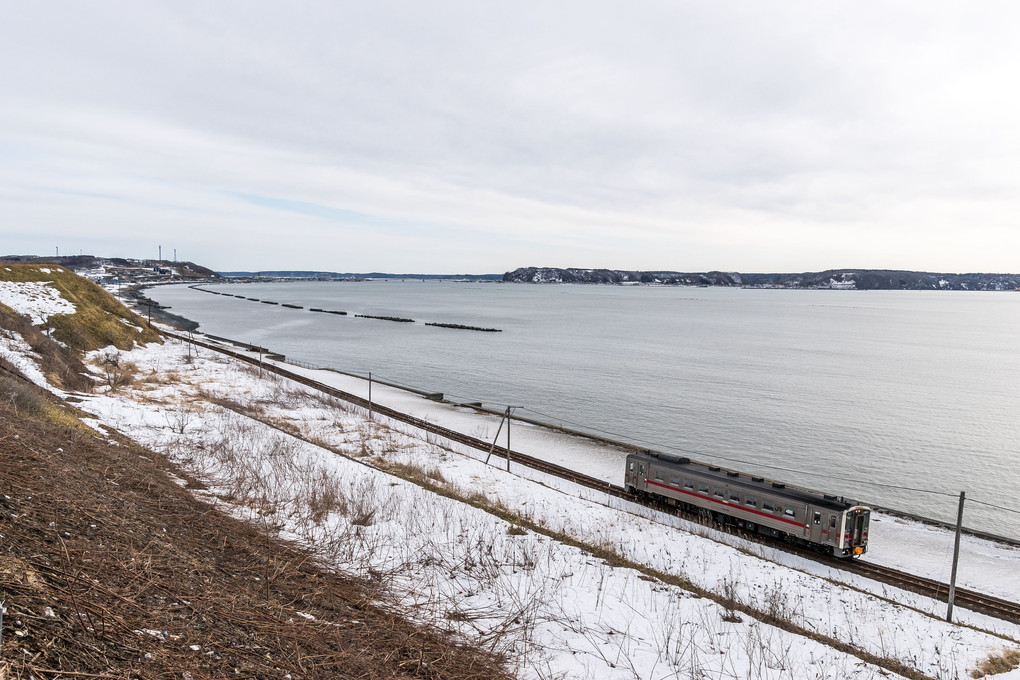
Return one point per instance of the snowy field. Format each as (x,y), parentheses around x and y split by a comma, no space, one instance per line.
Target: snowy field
(910,546)
(557,608)
(569,582)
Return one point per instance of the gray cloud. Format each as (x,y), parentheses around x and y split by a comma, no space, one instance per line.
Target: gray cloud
(479,137)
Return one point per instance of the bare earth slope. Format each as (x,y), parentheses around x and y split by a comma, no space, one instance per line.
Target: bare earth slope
(108,566)
(112,566)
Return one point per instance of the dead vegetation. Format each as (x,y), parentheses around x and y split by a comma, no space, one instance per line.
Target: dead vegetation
(62,368)
(1007,661)
(110,569)
(100,320)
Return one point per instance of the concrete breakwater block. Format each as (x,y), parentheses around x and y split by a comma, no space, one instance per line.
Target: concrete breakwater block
(462,327)
(385,318)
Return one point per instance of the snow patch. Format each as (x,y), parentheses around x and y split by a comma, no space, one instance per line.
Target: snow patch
(38,300)
(20,354)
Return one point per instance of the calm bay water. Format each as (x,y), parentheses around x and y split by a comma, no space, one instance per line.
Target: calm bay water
(850,392)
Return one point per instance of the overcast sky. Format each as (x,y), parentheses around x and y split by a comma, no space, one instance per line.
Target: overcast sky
(477,137)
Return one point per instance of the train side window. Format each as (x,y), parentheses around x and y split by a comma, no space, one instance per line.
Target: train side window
(735,498)
(688,483)
(658,475)
(674,480)
(790,512)
(719,492)
(752,501)
(767,505)
(818,518)
(703,488)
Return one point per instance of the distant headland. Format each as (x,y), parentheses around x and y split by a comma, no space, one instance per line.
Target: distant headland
(840,279)
(147,272)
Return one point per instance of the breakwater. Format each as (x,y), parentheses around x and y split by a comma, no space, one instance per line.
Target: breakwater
(464,328)
(384,318)
(379,317)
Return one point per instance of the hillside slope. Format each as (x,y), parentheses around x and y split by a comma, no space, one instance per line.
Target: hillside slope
(108,567)
(113,564)
(89,317)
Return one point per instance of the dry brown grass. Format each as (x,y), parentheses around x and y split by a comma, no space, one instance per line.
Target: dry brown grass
(994,665)
(100,320)
(63,368)
(109,568)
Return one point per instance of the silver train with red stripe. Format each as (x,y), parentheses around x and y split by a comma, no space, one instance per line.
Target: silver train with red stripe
(751,503)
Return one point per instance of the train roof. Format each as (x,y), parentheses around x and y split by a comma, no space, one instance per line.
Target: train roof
(745,481)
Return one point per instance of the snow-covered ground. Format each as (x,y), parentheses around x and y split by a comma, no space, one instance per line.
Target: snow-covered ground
(38,300)
(985,566)
(572,583)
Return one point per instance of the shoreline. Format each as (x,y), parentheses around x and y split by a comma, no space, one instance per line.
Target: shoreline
(986,530)
(269,356)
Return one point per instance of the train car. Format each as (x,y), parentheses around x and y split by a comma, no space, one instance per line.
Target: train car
(751,503)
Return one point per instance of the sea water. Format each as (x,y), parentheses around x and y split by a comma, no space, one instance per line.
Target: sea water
(895,398)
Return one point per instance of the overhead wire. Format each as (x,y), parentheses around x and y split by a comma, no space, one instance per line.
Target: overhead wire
(673,448)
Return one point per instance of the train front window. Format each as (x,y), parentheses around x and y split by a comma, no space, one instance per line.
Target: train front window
(631,467)
(818,518)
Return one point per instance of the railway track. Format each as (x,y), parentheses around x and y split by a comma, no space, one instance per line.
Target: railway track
(967,599)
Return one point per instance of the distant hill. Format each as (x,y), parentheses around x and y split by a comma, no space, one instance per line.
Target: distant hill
(844,279)
(351,276)
(124,268)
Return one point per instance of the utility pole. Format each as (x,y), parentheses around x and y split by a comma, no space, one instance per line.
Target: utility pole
(508,439)
(370,395)
(506,418)
(956,559)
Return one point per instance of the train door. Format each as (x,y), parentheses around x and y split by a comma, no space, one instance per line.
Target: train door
(830,533)
(815,526)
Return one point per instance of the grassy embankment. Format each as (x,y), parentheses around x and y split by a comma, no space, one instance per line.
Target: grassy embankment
(100,320)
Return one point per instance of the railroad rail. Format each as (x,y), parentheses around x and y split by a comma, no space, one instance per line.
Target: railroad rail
(968,599)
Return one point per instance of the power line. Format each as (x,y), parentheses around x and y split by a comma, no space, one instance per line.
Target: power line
(994,505)
(700,454)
